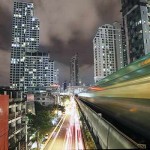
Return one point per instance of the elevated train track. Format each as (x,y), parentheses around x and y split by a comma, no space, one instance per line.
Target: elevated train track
(125,97)
(105,134)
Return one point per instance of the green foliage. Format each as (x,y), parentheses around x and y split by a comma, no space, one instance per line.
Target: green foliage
(58,107)
(52,109)
(61,108)
(39,107)
(40,122)
(65,97)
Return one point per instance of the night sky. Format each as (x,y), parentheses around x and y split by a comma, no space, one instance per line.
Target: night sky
(66,27)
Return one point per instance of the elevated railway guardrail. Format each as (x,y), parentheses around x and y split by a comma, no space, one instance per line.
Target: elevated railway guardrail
(108,136)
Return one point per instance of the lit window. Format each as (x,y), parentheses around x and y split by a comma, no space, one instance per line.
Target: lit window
(33,19)
(30,72)
(139,22)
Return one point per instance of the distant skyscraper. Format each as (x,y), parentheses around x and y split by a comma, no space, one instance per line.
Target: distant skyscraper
(74,71)
(117,37)
(136,18)
(124,47)
(108,54)
(56,76)
(64,85)
(25,38)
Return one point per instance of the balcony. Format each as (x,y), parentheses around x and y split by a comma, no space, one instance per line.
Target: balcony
(18,114)
(23,112)
(11,115)
(19,126)
(11,130)
(16,100)
(23,122)
(22,142)
(19,136)
(12,143)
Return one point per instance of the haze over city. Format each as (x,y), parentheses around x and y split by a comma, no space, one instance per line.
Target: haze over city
(66,27)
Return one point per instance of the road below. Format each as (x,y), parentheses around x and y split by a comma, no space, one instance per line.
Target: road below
(67,134)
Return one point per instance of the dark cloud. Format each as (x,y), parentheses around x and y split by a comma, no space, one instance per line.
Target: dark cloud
(4,67)
(66,27)
(63,52)
(5,28)
(72,25)
(108,10)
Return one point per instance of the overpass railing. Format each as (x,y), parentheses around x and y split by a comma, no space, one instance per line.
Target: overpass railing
(109,137)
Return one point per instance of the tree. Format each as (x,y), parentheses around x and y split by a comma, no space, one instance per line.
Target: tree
(40,123)
(65,98)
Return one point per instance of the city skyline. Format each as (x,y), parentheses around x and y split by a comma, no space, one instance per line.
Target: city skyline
(62,45)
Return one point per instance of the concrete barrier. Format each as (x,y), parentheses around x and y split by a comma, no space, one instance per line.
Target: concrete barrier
(109,136)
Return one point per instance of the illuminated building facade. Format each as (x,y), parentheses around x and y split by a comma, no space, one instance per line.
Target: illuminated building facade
(136,19)
(108,52)
(29,67)
(16,122)
(39,70)
(74,71)
(56,76)
(25,38)
(124,47)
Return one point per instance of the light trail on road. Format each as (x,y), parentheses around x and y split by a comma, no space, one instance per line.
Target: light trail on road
(57,134)
(68,135)
(53,132)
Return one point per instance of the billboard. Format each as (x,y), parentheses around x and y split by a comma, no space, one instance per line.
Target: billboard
(4,101)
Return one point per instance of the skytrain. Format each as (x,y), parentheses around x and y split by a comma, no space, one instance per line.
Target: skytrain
(133,81)
(125,96)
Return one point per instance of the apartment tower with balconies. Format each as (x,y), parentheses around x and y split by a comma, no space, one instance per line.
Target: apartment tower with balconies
(108,51)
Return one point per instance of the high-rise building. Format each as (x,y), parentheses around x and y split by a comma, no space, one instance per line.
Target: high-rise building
(25,38)
(136,18)
(56,76)
(118,45)
(124,47)
(16,121)
(74,71)
(64,85)
(108,54)
(39,70)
